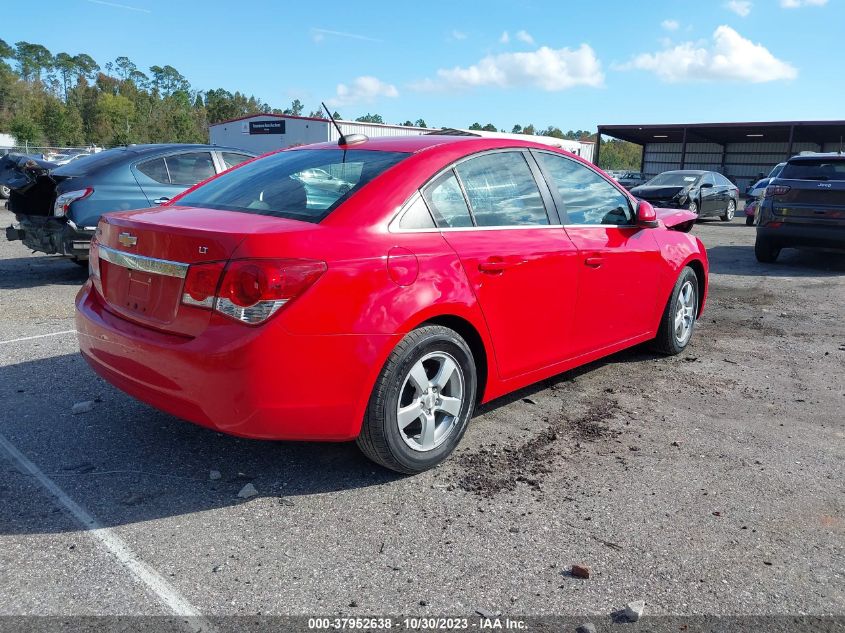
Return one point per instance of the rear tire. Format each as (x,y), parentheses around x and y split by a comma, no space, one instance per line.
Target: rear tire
(729,212)
(749,220)
(765,251)
(429,373)
(678,320)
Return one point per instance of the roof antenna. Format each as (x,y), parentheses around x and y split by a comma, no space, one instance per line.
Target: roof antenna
(343,139)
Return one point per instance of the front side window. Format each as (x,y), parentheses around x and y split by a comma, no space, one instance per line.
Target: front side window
(190,168)
(298,184)
(446,201)
(587,197)
(502,190)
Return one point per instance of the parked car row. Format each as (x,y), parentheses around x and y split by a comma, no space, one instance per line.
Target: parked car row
(57,207)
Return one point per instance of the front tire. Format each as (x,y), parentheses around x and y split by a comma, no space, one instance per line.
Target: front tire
(5,192)
(693,206)
(678,321)
(765,251)
(422,401)
(729,212)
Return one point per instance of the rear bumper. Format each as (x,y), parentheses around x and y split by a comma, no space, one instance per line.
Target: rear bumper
(51,235)
(262,382)
(789,234)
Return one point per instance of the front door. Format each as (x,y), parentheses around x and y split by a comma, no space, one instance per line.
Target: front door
(520,263)
(618,262)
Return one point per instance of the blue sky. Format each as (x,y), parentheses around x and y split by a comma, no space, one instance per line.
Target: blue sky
(569,63)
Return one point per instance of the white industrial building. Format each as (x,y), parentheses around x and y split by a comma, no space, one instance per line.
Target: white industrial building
(261,133)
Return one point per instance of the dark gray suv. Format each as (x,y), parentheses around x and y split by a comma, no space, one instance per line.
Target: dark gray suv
(57,208)
(804,206)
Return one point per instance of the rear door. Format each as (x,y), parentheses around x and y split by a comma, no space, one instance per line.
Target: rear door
(618,263)
(521,264)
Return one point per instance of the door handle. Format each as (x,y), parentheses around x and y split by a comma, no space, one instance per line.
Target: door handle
(161,200)
(493,266)
(594,261)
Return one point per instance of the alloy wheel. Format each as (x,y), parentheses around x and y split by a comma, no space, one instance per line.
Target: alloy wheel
(430,401)
(693,206)
(685,312)
(729,214)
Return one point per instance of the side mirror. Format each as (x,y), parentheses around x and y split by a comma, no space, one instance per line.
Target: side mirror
(646,215)
(705,185)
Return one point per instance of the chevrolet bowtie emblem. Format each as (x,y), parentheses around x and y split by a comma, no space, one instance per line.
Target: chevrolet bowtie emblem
(127,239)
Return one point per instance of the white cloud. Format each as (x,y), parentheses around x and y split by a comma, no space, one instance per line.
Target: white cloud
(546,68)
(670,25)
(525,36)
(797,4)
(362,90)
(741,7)
(504,38)
(458,35)
(730,57)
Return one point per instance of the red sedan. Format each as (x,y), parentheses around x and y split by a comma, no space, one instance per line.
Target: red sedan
(379,290)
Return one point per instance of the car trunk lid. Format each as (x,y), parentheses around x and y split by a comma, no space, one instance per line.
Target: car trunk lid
(144,257)
(31,183)
(805,201)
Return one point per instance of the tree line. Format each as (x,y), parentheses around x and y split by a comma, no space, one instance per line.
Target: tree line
(70,100)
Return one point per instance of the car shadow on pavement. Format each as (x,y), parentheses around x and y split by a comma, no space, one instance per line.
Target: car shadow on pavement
(740,260)
(37,271)
(126,463)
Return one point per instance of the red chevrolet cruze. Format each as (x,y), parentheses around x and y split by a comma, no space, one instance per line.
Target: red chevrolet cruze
(379,290)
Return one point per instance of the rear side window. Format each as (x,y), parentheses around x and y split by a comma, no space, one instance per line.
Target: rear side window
(416,216)
(502,190)
(230,159)
(155,169)
(587,197)
(190,168)
(299,184)
(447,203)
(814,170)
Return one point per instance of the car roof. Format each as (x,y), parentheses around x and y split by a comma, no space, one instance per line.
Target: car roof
(419,143)
(697,172)
(819,156)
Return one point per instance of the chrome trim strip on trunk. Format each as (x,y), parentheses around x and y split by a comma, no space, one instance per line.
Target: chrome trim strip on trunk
(142,263)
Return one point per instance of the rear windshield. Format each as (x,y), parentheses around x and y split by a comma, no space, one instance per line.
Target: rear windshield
(821,169)
(673,179)
(300,185)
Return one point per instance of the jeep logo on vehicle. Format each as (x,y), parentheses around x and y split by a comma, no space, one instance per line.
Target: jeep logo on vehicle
(127,239)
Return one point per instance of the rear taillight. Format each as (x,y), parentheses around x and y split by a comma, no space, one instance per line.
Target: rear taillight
(776,190)
(201,284)
(63,202)
(94,258)
(249,290)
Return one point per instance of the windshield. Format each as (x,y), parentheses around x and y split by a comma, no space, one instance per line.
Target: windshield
(673,179)
(300,185)
(821,169)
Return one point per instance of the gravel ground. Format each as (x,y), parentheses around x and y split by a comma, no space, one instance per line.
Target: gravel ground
(708,483)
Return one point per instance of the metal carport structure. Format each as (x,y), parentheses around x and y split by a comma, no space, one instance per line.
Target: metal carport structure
(740,151)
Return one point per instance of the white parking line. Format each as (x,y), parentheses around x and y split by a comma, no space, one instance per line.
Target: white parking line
(30,338)
(142,572)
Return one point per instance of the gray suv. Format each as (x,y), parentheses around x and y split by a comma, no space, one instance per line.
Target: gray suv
(57,208)
(804,206)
